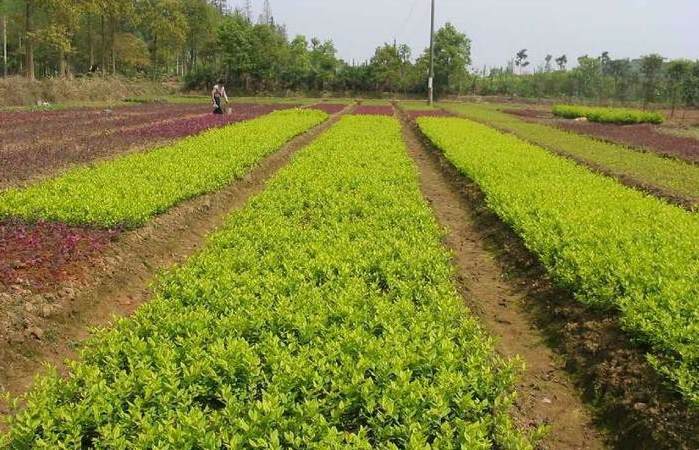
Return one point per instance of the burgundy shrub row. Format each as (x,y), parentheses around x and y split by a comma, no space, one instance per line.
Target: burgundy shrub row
(330,108)
(186,127)
(374,110)
(42,152)
(41,256)
(644,136)
(94,123)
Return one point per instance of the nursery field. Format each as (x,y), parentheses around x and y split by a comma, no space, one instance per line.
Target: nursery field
(341,273)
(676,177)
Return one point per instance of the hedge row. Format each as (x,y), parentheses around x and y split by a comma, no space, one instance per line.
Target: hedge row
(621,116)
(613,246)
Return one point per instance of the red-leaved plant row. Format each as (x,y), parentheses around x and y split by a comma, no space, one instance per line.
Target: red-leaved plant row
(330,108)
(22,118)
(43,149)
(66,126)
(44,255)
(645,136)
(374,110)
(189,126)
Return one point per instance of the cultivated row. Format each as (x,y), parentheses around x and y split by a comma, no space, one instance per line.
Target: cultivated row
(323,315)
(127,191)
(615,247)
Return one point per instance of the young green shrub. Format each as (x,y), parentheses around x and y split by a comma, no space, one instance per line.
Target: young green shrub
(621,116)
(614,247)
(322,316)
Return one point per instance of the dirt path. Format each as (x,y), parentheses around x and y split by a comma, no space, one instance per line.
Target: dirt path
(574,354)
(131,265)
(546,396)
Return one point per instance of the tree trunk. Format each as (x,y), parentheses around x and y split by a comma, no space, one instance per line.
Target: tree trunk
(103,32)
(62,72)
(29,40)
(112,41)
(91,42)
(155,57)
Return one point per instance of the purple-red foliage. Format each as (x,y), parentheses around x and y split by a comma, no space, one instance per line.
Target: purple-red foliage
(374,110)
(43,255)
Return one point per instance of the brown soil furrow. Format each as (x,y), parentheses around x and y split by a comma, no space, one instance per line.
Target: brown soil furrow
(545,394)
(128,268)
(573,354)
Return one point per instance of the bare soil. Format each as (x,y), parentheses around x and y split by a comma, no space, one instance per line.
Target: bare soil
(120,279)
(583,377)
(546,396)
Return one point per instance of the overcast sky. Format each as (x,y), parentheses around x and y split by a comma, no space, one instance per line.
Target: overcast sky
(499,28)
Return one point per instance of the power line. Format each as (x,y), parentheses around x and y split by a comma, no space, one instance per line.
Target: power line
(405,22)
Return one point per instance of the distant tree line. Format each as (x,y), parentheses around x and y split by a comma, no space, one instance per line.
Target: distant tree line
(200,41)
(649,79)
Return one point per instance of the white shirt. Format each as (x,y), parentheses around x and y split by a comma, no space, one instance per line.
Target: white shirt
(220,90)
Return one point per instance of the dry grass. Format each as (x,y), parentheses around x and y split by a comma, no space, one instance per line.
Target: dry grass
(18,91)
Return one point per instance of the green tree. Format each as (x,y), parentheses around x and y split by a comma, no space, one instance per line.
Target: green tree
(562,62)
(521,59)
(387,66)
(452,56)
(324,63)
(651,67)
(164,25)
(677,72)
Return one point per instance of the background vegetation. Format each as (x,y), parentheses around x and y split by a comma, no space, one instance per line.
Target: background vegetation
(199,41)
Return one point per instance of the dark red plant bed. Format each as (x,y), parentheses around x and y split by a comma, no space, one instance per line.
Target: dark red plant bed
(189,126)
(645,136)
(428,113)
(374,110)
(46,255)
(330,108)
(45,146)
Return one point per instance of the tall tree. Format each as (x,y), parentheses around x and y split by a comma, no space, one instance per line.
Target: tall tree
(266,17)
(677,72)
(651,66)
(562,62)
(521,59)
(547,66)
(452,56)
(386,65)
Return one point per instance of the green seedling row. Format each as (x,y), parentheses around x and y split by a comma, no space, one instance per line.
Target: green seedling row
(615,247)
(620,116)
(674,176)
(322,316)
(130,190)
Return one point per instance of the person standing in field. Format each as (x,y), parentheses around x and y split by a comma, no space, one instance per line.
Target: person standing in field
(218,94)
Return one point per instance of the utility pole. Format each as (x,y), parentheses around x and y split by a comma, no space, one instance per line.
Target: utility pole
(430,81)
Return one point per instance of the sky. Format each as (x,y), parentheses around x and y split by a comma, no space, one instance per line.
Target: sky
(499,28)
